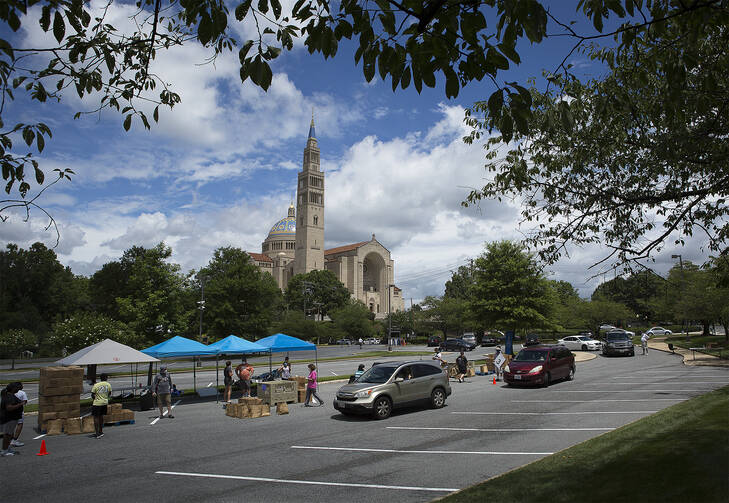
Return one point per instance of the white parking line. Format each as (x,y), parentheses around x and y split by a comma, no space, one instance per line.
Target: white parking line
(400,451)
(333,373)
(629,390)
(311,482)
(660,382)
(553,413)
(165,412)
(493,429)
(608,400)
(39,436)
(209,384)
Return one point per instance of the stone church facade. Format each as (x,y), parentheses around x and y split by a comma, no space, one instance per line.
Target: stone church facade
(295,245)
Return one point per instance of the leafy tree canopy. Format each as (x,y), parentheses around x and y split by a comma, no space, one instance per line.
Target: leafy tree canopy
(460,284)
(510,290)
(317,292)
(84,329)
(239,298)
(354,320)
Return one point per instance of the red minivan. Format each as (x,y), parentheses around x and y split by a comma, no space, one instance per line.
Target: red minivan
(540,365)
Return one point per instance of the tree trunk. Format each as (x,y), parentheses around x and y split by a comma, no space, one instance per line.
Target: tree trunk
(707,331)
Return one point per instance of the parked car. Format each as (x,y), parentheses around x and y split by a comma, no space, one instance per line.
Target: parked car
(586,333)
(392,385)
(434,341)
(489,340)
(345,342)
(606,328)
(580,342)
(618,342)
(469,337)
(658,331)
(629,333)
(540,365)
(457,345)
(531,340)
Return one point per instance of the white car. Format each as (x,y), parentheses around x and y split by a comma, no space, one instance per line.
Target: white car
(658,331)
(580,343)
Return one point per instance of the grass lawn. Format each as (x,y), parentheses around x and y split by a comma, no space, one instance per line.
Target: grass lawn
(679,454)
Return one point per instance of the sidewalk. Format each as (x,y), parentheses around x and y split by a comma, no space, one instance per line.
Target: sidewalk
(691,358)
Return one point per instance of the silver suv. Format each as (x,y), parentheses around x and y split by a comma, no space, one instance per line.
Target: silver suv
(388,386)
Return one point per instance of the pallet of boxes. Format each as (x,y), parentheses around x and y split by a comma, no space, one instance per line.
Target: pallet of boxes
(59,401)
(248,407)
(301,383)
(115,414)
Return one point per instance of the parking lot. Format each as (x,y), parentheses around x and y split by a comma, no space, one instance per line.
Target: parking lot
(316,454)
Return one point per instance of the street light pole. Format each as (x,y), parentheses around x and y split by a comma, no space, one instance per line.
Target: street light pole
(389,316)
(680,291)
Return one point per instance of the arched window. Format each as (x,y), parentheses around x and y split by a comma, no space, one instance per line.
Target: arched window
(316,220)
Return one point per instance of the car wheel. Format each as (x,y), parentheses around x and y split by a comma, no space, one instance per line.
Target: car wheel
(382,408)
(584,347)
(437,398)
(547,380)
(571,375)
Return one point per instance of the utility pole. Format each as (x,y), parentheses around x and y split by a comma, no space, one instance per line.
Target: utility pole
(389,316)
(201,306)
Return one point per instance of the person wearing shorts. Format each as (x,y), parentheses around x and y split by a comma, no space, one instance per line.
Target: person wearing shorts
(244,371)
(228,381)
(15,442)
(11,410)
(161,388)
(100,393)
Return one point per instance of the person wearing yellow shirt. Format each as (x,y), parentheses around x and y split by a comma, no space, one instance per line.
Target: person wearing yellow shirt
(100,393)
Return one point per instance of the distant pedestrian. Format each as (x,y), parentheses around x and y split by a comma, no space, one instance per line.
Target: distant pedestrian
(244,371)
(11,409)
(100,393)
(497,366)
(462,364)
(360,343)
(644,342)
(438,356)
(228,380)
(162,389)
(360,371)
(19,429)
(311,388)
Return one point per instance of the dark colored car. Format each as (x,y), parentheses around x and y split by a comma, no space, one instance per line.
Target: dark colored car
(434,341)
(540,365)
(531,340)
(492,338)
(457,345)
(618,342)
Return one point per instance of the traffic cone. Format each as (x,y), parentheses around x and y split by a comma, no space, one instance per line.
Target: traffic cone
(43,451)
(494,380)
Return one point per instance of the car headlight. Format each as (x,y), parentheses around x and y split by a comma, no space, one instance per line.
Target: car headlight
(536,370)
(507,369)
(363,394)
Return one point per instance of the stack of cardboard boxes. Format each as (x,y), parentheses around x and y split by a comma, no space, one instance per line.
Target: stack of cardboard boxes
(248,407)
(115,414)
(59,397)
(300,387)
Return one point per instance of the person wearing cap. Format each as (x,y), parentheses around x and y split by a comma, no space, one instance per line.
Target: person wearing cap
(497,368)
(161,388)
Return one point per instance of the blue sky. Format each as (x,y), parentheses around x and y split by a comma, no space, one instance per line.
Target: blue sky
(220,169)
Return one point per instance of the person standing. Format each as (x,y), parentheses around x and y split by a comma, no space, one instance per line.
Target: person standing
(11,409)
(438,356)
(15,442)
(644,342)
(360,371)
(311,388)
(462,364)
(498,362)
(244,371)
(227,381)
(162,389)
(100,394)
(360,343)
(285,369)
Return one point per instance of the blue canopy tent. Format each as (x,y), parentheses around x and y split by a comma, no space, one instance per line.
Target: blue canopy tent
(234,345)
(280,343)
(180,346)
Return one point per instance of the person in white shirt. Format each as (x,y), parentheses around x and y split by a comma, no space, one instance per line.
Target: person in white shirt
(644,342)
(15,442)
(438,356)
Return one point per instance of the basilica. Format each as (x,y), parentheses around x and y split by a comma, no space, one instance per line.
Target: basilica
(295,245)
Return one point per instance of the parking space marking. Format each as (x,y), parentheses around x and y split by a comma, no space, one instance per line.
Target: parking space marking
(554,413)
(493,429)
(164,413)
(606,400)
(209,384)
(629,390)
(659,382)
(39,436)
(310,482)
(402,451)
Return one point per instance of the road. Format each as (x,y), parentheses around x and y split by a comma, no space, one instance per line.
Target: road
(316,454)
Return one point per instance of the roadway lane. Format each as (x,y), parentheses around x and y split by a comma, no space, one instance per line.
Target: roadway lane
(316,454)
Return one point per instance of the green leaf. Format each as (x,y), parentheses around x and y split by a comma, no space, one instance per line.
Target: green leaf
(242,10)
(28,136)
(496,103)
(244,50)
(565,115)
(405,79)
(45,19)
(506,127)
(276,6)
(263,6)
(155,114)
(59,27)
(12,18)
(452,84)
(40,142)
(39,176)
(127,122)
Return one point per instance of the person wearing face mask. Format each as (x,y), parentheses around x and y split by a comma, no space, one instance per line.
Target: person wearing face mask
(161,388)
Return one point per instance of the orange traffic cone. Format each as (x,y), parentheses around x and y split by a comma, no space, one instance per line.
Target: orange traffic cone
(494,380)
(43,451)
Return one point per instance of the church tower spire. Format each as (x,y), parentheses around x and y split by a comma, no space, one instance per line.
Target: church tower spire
(310,209)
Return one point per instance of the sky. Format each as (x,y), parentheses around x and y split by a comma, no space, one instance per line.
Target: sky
(220,168)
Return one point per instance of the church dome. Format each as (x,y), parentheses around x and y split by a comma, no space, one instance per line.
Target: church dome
(284,228)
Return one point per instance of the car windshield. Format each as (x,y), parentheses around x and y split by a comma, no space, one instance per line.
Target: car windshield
(618,337)
(531,356)
(583,338)
(377,374)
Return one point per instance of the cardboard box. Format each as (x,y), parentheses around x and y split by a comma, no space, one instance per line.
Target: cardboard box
(265,410)
(230,409)
(72,426)
(54,427)
(48,402)
(250,400)
(242,411)
(255,410)
(302,395)
(114,407)
(87,424)
(61,372)
(127,415)
(282,408)
(62,390)
(470,372)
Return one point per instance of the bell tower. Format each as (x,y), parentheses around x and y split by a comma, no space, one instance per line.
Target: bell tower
(310,209)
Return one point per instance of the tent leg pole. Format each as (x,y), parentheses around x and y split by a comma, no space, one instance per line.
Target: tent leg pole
(217,379)
(149,375)
(194,376)
(270,363)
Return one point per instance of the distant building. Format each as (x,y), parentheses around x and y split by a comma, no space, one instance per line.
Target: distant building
(297,246)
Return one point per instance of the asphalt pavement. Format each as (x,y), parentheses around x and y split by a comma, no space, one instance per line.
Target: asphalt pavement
(316,454)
